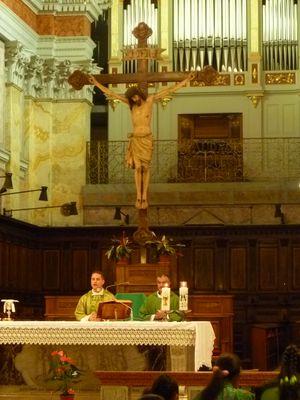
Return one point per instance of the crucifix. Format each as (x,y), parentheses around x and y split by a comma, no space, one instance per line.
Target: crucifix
(139,152)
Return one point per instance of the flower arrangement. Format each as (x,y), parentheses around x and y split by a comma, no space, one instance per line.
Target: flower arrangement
(119,249)
(165,246)
(64,370)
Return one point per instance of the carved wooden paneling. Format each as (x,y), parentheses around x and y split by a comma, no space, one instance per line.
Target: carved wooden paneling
(296,267)
(220,265)
(34,270)
(267,343)
(204,269)
(23,281)
(197,379)
(14,270)
(4,266)
(238,268)
(209,126)
(60,307)
(219,311)
(106,266)
(184,274)
(51,269)
(258,265)
(268,266)
(80,263)
(269,307)
(140,277)
(284,265)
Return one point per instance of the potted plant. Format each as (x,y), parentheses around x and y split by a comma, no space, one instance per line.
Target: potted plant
(165,247)
(64,372)
(119,250)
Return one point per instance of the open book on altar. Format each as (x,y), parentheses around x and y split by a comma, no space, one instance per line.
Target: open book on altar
(115,310)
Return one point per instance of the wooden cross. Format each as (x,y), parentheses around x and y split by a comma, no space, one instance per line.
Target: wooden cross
(142,53)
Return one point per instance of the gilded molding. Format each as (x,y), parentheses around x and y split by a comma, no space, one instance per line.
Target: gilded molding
(112,102)
(255,98)
(147,53)
(254,73)
(164,102)
(282,78)
(239,79)
(210,77)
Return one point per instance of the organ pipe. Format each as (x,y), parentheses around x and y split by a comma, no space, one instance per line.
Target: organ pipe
(209,32)
(214,32)
(280,41)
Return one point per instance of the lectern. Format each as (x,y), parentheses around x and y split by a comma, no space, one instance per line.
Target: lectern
(115,310)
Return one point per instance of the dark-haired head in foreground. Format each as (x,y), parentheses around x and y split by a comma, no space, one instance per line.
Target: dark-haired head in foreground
(287,384)
(224,381)
(164,386)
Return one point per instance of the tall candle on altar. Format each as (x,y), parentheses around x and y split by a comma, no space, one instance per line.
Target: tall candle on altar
(165,298)
(183,296)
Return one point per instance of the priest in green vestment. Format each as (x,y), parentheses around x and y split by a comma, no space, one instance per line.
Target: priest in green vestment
(86,309)
(151,309)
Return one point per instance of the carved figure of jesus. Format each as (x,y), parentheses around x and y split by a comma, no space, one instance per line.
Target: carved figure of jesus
(140,147)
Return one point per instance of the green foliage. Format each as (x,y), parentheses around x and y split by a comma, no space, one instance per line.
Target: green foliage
(119,248)
(165,246)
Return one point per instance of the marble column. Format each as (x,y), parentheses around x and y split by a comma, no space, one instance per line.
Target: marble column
(2,85)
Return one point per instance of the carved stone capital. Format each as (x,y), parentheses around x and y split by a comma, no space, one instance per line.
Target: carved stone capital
(16,59)
(45,78)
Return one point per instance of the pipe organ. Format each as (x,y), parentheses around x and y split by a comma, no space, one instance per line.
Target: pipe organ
(210,32)
(134,12)
(280,41)
(214,32)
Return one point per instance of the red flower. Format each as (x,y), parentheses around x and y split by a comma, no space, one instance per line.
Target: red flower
(64,370)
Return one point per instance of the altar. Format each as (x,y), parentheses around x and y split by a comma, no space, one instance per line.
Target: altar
(92,343)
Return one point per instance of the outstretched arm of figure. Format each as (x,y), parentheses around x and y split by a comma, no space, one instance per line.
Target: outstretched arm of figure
(105,90)
(165,92)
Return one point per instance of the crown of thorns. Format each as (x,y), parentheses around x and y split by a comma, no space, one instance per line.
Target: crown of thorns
(134,90)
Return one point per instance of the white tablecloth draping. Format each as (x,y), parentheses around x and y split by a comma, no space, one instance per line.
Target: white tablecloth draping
(199,334)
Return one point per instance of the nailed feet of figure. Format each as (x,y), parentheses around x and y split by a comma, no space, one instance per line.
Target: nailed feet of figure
(141,203)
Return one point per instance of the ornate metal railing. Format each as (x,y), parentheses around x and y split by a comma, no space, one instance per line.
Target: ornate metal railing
(199,160)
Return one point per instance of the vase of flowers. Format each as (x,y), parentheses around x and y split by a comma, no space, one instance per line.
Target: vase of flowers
(164,247)
(64,373)
(120,250)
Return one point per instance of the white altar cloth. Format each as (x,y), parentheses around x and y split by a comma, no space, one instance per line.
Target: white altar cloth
(199,334)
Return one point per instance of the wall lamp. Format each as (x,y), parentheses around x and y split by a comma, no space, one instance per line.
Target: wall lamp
(278,213)
(118,215)
(66,209)
(7,182)
(43,195)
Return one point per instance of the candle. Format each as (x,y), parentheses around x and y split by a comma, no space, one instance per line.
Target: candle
(165,298)
(183,296)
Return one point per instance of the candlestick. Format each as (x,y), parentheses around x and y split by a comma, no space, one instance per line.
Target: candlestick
(183,296)
(165,298)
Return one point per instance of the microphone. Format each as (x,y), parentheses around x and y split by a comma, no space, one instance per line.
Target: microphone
(117,284)
(127,306)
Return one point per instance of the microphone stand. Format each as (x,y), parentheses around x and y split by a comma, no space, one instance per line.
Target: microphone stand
(127,306)
(117,284)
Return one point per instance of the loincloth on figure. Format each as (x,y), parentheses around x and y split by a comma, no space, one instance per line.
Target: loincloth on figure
(139,150)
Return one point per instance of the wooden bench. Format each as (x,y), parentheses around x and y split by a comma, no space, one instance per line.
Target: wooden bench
(133,381)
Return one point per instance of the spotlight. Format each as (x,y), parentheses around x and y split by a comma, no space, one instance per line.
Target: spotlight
(118,215)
